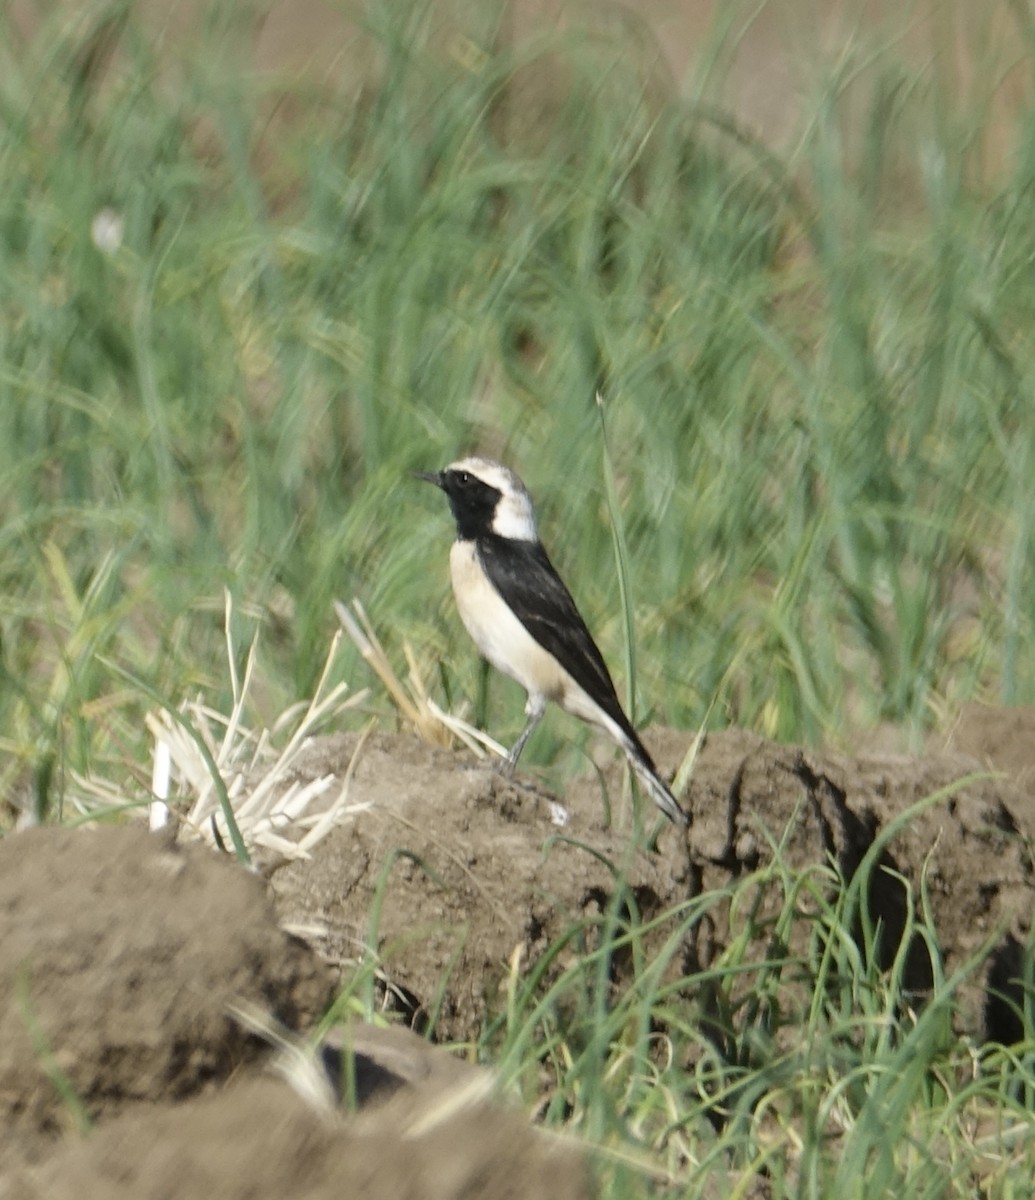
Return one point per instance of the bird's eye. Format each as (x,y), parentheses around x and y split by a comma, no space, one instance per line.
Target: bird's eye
(463,478)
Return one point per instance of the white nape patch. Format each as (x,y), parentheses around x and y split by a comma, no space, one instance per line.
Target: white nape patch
(514,516)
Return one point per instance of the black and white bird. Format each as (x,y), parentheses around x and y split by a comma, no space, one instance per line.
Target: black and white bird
(522,617)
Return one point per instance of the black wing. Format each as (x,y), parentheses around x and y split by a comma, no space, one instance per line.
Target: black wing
(524,576)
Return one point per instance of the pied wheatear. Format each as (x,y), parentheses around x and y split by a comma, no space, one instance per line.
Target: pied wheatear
(522,617)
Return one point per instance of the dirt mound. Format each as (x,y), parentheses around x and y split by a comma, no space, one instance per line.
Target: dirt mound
(434,1140)
(961,839)
(119,955)
(1001,740)
(455,870)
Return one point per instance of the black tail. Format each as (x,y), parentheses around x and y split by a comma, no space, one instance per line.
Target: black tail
(656,787)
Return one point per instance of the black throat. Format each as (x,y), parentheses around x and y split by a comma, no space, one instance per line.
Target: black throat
(473,503)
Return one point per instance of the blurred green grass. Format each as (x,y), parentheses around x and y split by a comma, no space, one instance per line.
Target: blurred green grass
(817,380)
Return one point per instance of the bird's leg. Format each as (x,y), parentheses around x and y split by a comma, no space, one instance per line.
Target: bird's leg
(534,710)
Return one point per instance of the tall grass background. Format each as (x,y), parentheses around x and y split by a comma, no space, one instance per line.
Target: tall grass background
(815,369)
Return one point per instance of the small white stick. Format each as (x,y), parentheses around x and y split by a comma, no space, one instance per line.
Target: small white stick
(158,813)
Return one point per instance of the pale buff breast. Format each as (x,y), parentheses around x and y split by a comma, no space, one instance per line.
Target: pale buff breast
(497,633)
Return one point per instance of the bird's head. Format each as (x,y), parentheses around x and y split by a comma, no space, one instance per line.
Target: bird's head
(486,498)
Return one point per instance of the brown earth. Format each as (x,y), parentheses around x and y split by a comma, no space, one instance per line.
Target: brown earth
(465,869)
(121,952)
(119,957)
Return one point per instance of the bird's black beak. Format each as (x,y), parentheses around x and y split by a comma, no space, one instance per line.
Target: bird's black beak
(434,477)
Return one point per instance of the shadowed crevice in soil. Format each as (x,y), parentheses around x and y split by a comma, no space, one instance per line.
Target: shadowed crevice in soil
(1009,991)
(847,837)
